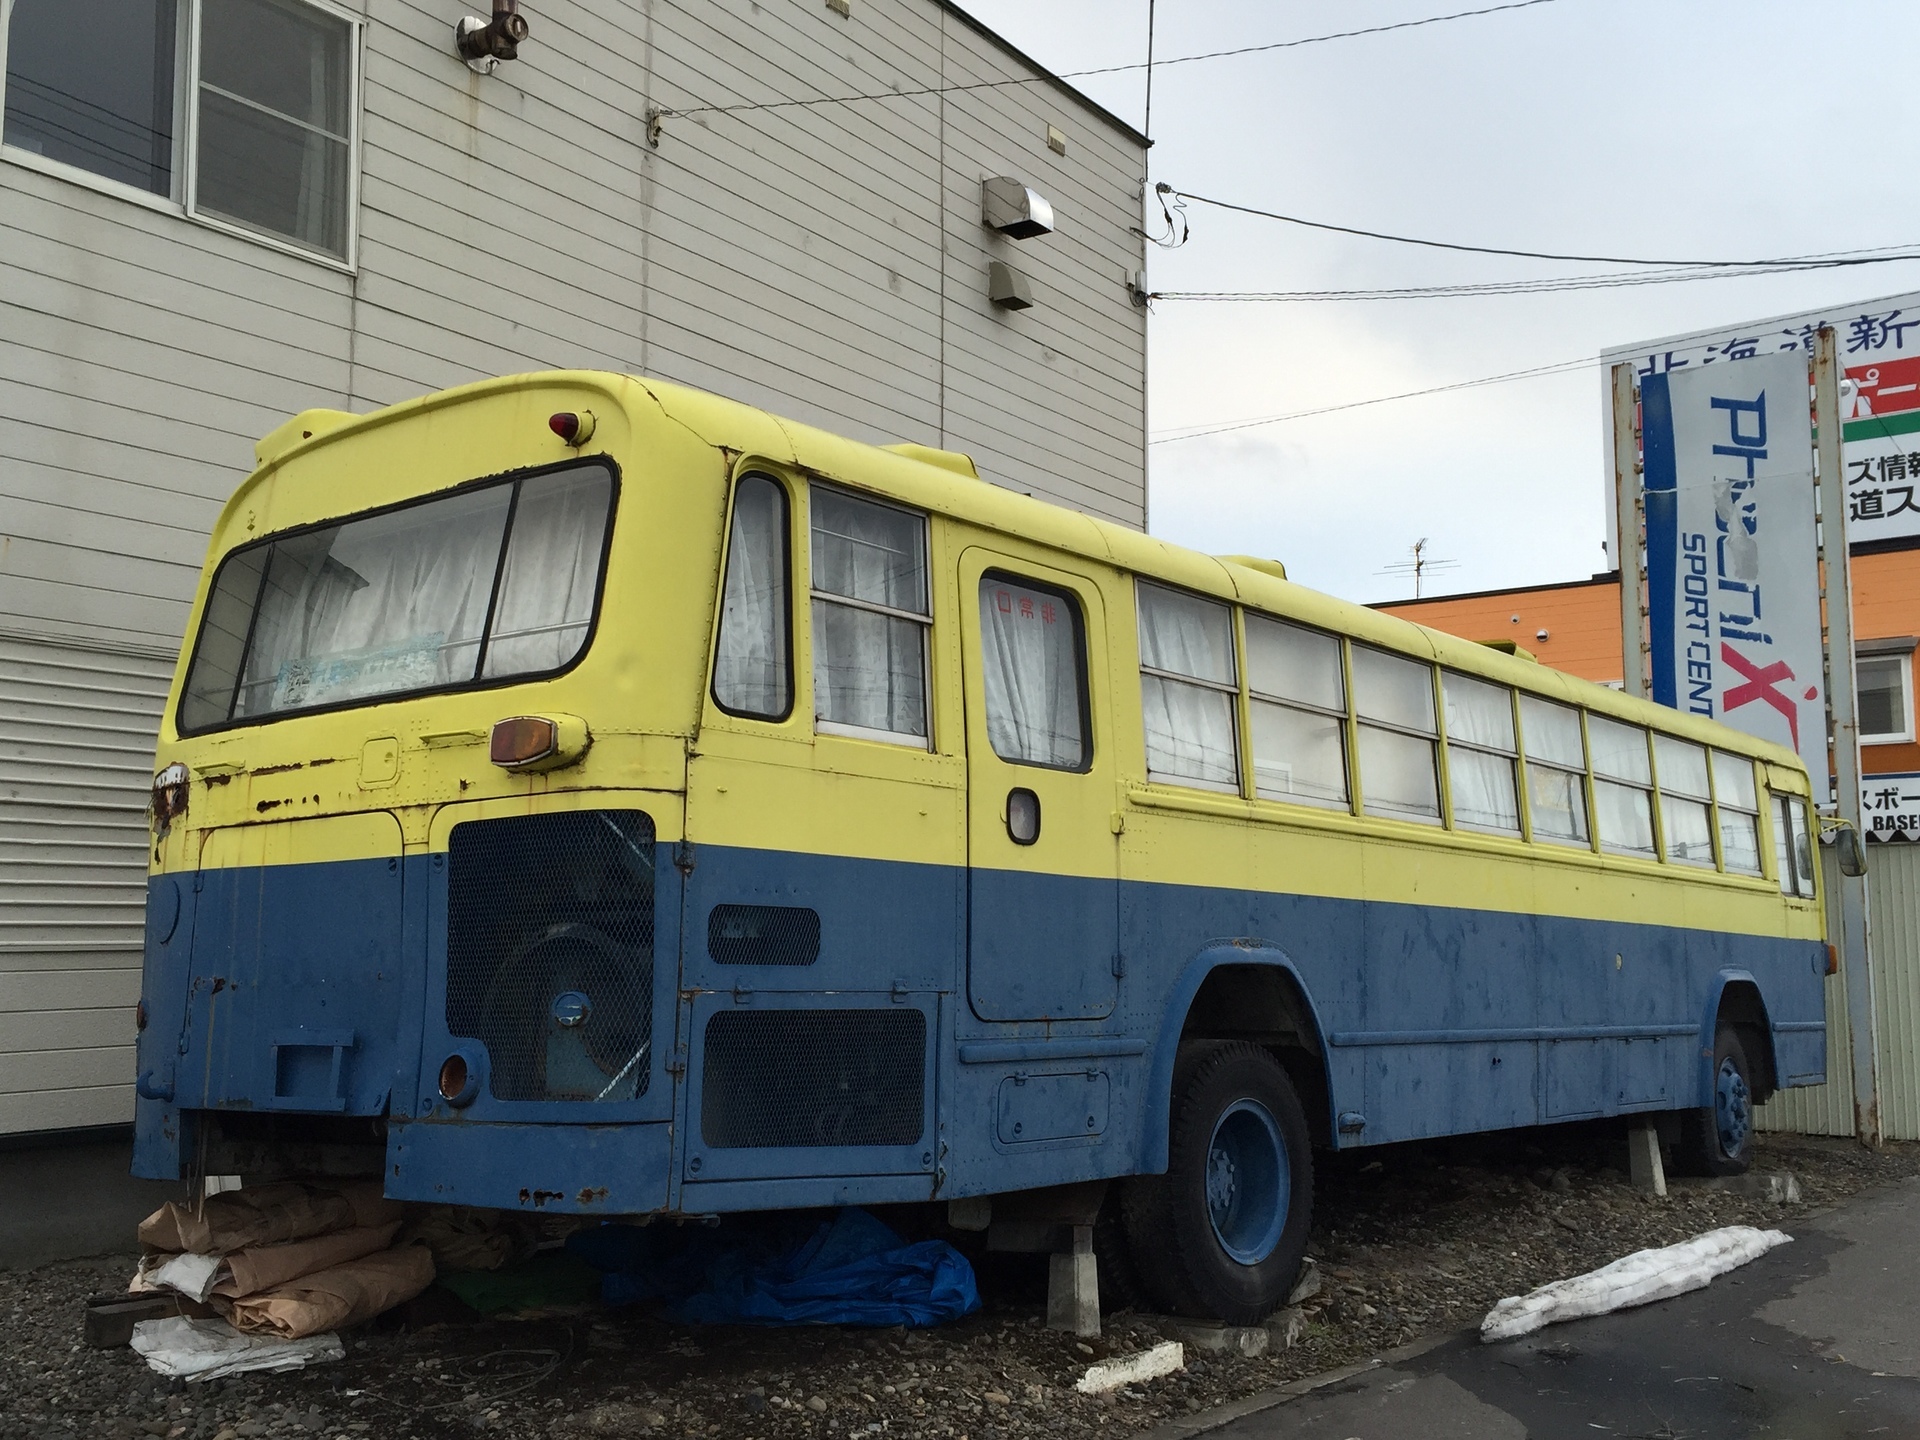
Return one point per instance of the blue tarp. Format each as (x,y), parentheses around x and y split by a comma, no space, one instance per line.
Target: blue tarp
(848,1270)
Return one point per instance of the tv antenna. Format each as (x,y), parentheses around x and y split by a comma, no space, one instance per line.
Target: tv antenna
(1420,565)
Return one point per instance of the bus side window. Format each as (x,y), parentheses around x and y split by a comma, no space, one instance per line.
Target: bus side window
(1793,846)
(1188,689)
(1399,738)
(1686,811)
(752,672)
(1298,713)
(1480,754)
(870,619)
(1035,667)
(1622,786)
(1556,771)
(1733,792)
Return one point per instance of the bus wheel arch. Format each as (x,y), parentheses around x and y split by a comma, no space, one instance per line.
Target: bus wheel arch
(1240,992)
(1739,1005)
(1716,1136)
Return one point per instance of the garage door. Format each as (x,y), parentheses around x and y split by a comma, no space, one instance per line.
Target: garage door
(77,730)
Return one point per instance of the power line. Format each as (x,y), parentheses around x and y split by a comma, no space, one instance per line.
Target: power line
(1101,70)
(1562,367)
(1544,286)
(1185,195)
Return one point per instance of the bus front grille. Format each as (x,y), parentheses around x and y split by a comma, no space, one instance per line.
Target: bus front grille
(807,1078)
(550,952)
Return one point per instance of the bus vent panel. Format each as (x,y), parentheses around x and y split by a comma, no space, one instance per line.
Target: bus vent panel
(791,1078)
(550,952)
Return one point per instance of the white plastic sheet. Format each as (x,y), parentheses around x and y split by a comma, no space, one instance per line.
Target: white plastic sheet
(210,1349)
(1636,1279)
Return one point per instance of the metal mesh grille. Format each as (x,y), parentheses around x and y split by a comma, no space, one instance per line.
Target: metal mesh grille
(780,1078)
(550,951)
(763,935)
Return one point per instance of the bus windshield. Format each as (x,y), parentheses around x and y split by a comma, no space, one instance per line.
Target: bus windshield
(487,582)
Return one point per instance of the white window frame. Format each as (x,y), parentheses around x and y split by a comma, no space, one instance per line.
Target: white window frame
(186,106)
(815,595)
(1905,659)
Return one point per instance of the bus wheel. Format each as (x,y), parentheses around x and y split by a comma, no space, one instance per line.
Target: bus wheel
(1220,1235)
(1719,1138)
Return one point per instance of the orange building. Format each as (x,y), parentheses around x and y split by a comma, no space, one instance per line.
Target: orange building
(1576,627)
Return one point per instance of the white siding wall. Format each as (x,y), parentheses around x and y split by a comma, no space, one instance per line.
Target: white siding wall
(827,262)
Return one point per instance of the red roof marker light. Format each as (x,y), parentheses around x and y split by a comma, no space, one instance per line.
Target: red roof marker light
(576,429)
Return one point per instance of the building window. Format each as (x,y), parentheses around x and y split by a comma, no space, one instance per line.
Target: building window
(1883,683)
(238,111)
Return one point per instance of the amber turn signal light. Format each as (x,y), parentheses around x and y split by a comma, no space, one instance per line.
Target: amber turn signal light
(453,1076)
(522,740)
(574,427)
(1833,959)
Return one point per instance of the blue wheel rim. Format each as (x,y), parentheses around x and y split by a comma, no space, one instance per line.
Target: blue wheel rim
(1249,1182)
(1732,1108)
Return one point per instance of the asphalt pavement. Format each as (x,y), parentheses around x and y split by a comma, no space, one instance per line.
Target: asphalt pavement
(1815,1340)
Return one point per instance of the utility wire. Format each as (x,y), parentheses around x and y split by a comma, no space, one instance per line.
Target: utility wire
(1186,195)
(1544,286)
(1562,367)
(1101,70)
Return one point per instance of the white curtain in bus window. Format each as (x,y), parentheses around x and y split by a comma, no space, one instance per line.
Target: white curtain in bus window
(1299,708)
(1556,771)
(1686,814)
(750,673)
(276,96)
(1622,786)
(870,618)
(1734,790)
(1480,754)
(552,574)
(389,603)
(1393,698)
(90,83)
(1030,659)
(1188,687)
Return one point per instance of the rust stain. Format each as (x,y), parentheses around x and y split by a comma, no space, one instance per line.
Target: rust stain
(212,780)
(323,760)
(537,1198)
(266,805)
(281,769)
(219,984)
(591,1195)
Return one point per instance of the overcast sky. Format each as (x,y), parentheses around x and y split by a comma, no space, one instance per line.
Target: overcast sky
(1690,128)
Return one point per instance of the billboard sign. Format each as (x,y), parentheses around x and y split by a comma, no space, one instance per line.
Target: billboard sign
(1733,586)
(1879,344)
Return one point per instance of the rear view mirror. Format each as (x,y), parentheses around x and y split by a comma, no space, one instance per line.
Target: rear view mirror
(1850,851)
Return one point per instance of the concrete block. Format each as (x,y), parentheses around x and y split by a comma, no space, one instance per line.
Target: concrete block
(1286,1328)
(1643,1156)
(1073,1287)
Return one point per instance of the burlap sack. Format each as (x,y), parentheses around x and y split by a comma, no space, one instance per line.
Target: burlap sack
(343,1295)
(242,1219)
(249,1271)
(462,1238)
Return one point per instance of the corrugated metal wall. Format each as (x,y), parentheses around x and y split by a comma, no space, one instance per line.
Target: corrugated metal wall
(1893,890)
(77,728)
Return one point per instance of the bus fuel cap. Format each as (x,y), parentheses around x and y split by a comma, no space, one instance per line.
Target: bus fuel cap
(570,1008)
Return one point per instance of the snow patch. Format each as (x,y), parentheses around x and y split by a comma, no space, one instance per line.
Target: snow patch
(1636,1279)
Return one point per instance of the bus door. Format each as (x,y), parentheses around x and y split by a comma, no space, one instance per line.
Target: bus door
(1042,858)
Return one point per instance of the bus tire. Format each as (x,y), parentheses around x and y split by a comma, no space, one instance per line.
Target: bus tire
(1718,1139)
(1221,1234)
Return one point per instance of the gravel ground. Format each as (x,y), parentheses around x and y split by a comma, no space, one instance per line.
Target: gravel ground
(1412,1240)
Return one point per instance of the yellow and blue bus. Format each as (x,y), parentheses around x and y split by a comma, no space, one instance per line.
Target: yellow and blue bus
(587,795)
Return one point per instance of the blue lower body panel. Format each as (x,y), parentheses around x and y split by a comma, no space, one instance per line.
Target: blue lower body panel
(322,990)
